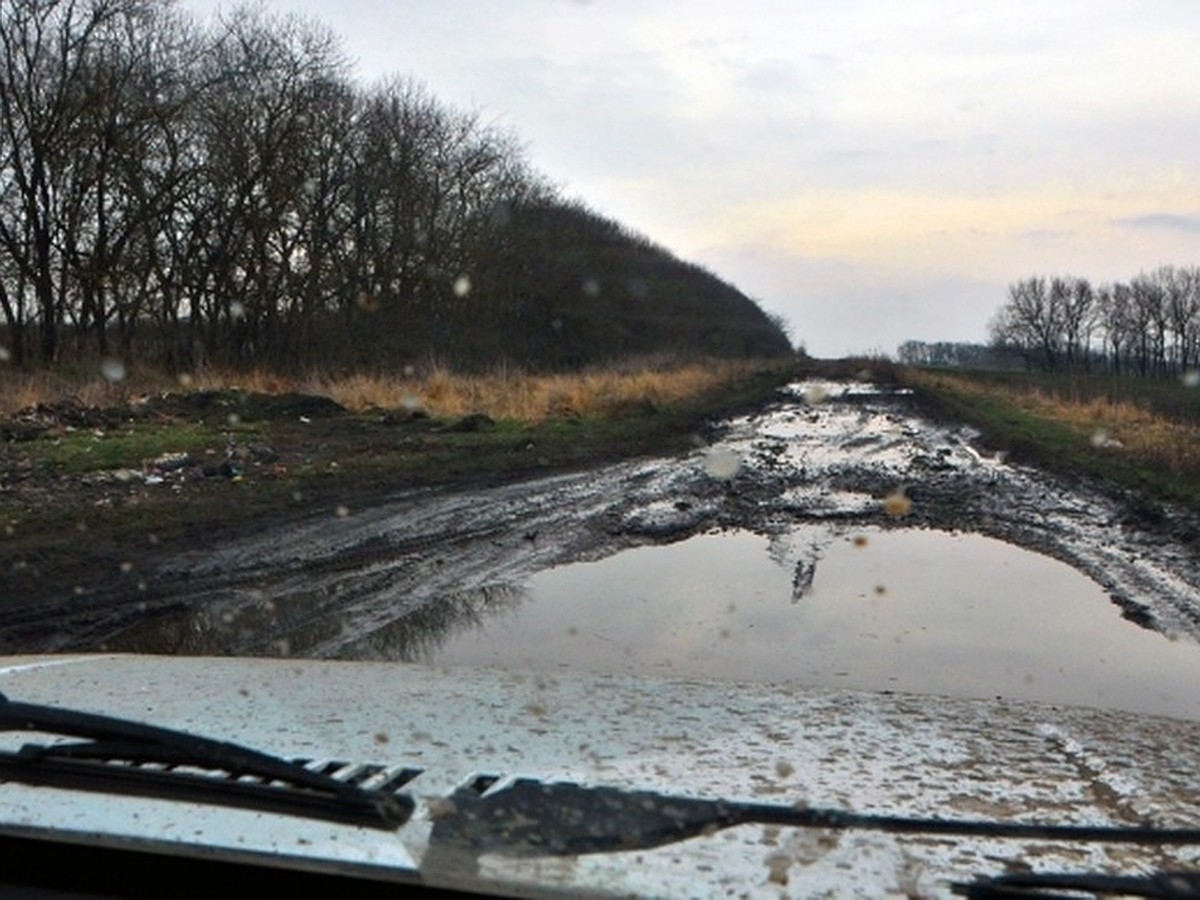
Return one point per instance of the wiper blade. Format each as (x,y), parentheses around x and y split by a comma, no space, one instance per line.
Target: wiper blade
(1047,885)
(126,757)
(529,817)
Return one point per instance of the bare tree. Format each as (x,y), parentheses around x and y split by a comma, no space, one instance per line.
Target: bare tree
(1031,323)
(46,47)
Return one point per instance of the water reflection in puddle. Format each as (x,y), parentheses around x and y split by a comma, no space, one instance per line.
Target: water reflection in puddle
(909,610)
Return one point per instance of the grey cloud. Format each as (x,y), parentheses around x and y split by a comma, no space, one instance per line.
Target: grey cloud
(1169,221)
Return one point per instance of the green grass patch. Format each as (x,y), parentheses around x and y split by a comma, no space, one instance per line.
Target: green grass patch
(82,450)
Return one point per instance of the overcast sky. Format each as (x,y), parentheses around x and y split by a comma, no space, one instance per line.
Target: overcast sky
(872,170)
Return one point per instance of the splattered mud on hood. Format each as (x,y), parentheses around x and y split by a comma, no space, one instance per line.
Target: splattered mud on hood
(397,579)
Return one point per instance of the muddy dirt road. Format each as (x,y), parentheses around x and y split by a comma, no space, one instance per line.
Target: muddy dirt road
(386,581)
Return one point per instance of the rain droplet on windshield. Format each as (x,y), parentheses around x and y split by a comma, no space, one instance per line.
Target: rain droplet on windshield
(814,394)
(721,462)
(112,369)
(897,504)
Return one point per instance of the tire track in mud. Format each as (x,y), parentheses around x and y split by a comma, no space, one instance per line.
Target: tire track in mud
(384,581)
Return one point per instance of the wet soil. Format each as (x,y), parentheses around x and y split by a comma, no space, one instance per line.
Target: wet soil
(364,567)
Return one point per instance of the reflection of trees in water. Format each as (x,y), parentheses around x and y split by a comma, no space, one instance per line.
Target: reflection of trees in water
(317,624)
(419,633)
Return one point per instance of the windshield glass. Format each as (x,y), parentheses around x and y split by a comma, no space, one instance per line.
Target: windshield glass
(837,346)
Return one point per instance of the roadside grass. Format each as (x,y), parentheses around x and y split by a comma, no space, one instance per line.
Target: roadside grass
(639,385)
(1148,441)
(91,450)
(1175,399)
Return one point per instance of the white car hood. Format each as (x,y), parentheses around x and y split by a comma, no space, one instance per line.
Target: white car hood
(868,753)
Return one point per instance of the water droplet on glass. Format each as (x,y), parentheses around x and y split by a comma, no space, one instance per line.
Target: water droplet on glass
(814,394)
(126,567)
(721,462)
(112,369)
(462,285)
(897,504)
(342,511)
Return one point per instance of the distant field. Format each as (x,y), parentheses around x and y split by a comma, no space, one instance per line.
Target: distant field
(1139,433)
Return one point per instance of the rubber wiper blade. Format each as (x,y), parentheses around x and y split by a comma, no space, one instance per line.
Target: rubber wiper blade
(1070,886)
(529,817)
(119,756)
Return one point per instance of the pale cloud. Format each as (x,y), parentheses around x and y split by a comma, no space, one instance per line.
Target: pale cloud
(1189,224)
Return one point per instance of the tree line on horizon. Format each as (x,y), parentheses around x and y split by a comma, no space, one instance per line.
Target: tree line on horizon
(1148,326)
(225,193)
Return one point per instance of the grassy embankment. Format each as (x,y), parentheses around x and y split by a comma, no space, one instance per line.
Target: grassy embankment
(395,432)
(1141,434)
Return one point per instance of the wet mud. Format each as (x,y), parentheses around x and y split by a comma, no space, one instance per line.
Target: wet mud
(388,576)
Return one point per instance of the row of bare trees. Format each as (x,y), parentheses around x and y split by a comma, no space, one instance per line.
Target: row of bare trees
(224,191)
(1148,326)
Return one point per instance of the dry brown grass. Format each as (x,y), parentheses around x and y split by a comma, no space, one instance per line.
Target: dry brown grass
(502,394)
(523,397)
(1117,426)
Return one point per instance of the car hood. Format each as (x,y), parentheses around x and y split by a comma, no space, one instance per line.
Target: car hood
(877,753)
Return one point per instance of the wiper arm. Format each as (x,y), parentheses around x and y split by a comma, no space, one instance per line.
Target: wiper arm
(528,817)
(1047,886)
(125,757)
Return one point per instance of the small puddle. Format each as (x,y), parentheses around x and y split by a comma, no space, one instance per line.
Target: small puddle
(904,610)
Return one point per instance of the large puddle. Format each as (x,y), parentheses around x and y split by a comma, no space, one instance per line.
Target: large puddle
(904,610)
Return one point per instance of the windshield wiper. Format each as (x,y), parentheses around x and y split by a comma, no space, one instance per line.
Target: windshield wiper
(126,757)
(1068,886)
(529,817)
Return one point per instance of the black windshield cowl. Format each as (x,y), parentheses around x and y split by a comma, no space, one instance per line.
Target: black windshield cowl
(532,818)
(130,758)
